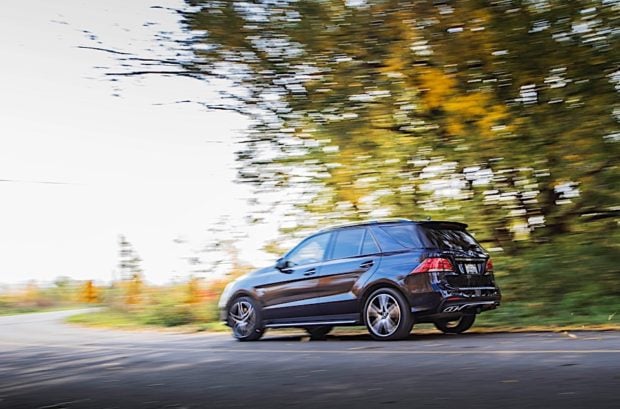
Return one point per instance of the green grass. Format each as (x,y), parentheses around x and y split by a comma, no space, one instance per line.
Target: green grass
(512,317)
(15,310)
(113,318)
(552,316)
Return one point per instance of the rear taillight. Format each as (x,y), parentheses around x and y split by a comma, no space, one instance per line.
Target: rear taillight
(489,268)
(433,265)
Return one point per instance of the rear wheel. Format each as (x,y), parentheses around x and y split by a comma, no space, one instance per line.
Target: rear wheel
(387,315)
(456,326)
(320,332)
(245,320)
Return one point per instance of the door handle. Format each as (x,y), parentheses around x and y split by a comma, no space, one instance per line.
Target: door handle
(367,264)
(310,272)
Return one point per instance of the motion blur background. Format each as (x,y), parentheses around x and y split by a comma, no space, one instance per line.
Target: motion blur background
(500,114)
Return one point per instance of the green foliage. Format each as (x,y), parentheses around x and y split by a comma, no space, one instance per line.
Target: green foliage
(201,317)
(573,280)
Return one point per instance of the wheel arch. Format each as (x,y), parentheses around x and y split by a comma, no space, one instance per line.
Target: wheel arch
(377,286)
(241,293)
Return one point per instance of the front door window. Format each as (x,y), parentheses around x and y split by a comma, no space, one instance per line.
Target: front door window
(310,251)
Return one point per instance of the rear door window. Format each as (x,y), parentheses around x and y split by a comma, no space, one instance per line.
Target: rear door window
(369,246)
(348,243)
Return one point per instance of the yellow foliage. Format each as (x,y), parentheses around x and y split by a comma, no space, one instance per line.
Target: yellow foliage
(89,293)
(473,107)
(194,292)
(437,86)
(133,289)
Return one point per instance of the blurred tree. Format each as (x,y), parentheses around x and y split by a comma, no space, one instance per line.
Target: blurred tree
(129,260)
(503,109)
(89,293)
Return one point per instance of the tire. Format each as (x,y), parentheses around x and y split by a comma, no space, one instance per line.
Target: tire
(244,317)
(386,314)
(318,333)
(461,324)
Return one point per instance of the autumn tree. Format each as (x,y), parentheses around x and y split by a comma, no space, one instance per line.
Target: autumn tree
(89,292)
(452,109)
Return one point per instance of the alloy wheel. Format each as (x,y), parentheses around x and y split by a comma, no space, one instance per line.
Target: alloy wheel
(383,315)
(243,318)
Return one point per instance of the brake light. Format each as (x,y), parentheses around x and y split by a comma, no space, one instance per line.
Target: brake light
(433,265)
(489,268)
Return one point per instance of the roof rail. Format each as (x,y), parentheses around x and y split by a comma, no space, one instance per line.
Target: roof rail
(365,223)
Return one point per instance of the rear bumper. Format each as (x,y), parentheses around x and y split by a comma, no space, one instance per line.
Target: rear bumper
(475,306)
(439,304)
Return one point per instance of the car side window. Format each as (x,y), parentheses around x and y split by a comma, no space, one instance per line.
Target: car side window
(369,246)
(348,243)
(310,251)
(406,235)
(386,242)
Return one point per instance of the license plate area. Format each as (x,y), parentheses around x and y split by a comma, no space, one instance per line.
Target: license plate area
(471,269)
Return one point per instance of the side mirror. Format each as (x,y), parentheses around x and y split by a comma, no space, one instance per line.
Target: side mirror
(282,264)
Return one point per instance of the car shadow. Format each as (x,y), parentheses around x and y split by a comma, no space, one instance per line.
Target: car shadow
(425,336)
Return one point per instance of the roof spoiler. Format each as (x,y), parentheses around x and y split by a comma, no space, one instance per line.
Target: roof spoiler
(448,224)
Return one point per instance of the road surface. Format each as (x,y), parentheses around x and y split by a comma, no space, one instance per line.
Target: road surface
(47,364)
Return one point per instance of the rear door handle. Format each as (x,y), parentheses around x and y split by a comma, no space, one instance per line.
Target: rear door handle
(310,272)
(367,264)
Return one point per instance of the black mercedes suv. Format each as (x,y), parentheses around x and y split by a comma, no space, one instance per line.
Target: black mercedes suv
(386,275)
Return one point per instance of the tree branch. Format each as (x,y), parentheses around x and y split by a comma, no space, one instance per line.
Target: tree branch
(192,74)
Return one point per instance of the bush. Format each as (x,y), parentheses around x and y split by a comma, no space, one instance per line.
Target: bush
(170,315)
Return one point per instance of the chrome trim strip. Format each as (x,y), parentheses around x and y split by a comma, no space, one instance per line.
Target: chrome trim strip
(297,324)
(477,260)
(473,288)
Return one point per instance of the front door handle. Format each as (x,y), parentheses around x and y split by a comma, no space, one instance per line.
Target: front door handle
(310,272)
(367,264)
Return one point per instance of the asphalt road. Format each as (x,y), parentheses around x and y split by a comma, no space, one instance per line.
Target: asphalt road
(47,364)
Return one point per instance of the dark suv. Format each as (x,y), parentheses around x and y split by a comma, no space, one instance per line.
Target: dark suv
(386,275)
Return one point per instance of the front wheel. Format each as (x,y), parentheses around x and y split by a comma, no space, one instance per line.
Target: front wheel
(456,326)
(244,318)
(387,315)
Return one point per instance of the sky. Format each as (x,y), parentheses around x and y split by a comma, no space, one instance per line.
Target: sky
(83,159)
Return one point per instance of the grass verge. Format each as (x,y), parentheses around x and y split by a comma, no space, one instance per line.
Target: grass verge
(16,310)
(118,319)
(516,317)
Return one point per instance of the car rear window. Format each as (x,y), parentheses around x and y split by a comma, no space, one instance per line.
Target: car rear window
(449,238)
(397,237)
